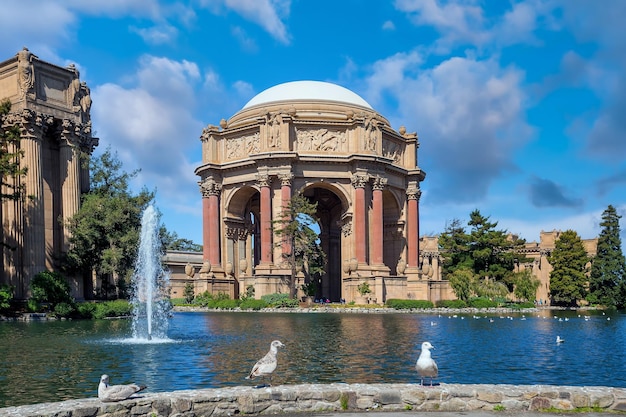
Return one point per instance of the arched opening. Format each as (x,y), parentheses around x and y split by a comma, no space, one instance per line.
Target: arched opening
(329,212)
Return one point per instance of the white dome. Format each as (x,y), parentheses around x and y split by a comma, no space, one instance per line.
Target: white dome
(307,90)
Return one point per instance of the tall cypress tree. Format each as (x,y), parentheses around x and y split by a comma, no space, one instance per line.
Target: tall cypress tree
(568,278)
(608,271)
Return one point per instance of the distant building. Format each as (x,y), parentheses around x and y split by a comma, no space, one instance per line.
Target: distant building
(51,107)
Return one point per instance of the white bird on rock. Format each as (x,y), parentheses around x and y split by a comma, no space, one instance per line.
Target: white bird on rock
(267,364)
(110,393)
(426,367)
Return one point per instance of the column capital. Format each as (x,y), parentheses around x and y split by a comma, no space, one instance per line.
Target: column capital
(413,193)
(209,187)
(264,179)
(359,180)
(378,182)
(285,178)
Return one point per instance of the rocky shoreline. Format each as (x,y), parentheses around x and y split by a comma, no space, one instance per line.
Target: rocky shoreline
(316,398)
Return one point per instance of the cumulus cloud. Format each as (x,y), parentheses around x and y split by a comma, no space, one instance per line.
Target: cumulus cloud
(265,13)
(468,113)
(157,35)
(455,21)
(547,193)
(151,125)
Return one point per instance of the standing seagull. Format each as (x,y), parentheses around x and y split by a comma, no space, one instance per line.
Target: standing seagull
(110,393)
(267,364)
(426,367)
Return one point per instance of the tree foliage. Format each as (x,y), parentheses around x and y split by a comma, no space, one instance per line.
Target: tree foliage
(607,280)
(171,241)
(525,285)
(294,226)
(568,279)
(105,230)
(482,261)
(11,186)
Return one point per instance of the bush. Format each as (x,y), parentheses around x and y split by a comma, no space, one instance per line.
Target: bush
(116,308)
(224,304)
(482,303)
(408,304)
(86,310)
(50,287)
(64,309)
(252,304)
(451,304)
(279,300)
(6,295)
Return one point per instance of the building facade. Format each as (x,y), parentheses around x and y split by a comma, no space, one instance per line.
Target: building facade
(328,144)
(51,107)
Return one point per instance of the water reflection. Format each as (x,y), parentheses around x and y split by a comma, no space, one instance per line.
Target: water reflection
(61,360)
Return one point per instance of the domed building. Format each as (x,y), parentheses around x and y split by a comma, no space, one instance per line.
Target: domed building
(328,144)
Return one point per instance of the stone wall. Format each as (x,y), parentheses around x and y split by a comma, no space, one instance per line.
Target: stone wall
(336,397)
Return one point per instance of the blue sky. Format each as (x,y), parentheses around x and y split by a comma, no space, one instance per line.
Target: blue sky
(520,106)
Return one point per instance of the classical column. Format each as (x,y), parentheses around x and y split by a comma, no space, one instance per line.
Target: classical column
(378,185)
(358,182)
(211,220)
(34,248)
(69,173)
(266,218)
(413,194)
(285,198)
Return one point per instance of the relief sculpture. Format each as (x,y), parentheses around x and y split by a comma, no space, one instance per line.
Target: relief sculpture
(320,140)
(240,147)
(274,122)
(392,150)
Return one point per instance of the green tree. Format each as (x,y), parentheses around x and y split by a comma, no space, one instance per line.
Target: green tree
(489,254)
(462,283)
(494,252)
(568,279)
(525,285)
(105,230)
(11,186)
(454,244)
(608,269)
(171,241)
(294,227)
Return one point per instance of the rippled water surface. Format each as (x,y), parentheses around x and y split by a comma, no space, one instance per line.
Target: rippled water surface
(54,361)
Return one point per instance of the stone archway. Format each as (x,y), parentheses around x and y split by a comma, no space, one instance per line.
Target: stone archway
(329,143)
(329,213)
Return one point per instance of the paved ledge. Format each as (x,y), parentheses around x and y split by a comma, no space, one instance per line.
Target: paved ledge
(312,398)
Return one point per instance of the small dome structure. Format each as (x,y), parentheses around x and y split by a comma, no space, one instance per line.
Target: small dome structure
(307,90)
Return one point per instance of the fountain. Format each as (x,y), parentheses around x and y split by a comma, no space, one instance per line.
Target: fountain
(150,300)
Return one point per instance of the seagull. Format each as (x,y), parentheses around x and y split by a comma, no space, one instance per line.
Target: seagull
(267,364)
(110,393)
(425,366)
(559,340)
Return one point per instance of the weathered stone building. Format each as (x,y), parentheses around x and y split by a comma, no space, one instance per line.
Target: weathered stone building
(51,107)
(326,142)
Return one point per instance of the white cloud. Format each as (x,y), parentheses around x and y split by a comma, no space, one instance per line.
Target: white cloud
(151,125)
(265,13)
(468,113)
(157,35)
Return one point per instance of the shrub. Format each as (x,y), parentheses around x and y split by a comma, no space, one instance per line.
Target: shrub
(86,310)
(280,300)
(224,304)
(252,304)
(451,304)
(482,303)
(408,304)
(64,309)
(188,292)
(116,308)
(6,295)
(50,287)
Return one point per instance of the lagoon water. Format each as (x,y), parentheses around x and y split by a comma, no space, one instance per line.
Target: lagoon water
(58,360)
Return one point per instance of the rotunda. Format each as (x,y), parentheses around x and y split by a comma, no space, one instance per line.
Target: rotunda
(328,144)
